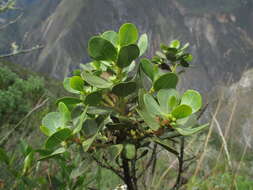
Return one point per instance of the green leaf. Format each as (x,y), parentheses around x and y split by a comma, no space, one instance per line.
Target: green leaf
(128,34)
(93,98)
(114,151)
(127,54)
(193,99)
(124,89)
(58,137)
(164,96)
(51,122)
(76,83)
(166,81)
(165,145)
(151,105)
(112,37)
(96,81)
(87,143)
(143,44)
(69,101)
(190,131)
(4,157)
(82,119)
(188,57)
(181,111)
(99,110)
(147,68)
(28,162)
(150,120)
(66,85)
(90,127)
(175,44)
(130,151)
(53,154)
(173,102)
(101,49)
(63,109)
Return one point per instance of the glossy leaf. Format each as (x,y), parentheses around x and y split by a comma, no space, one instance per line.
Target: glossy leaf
(128,34)
(93,98)
(77,83)
(150,120)
(53,154)
(69,101)
(127,54)
(147,68)
(66,84)
(164,96)
(130,151)
(193,99)
(124,89)
(58,137)
(96,81)
(143,44)
(101,49)
(181,111)
(190,131)
(152,105)
(81,120)
(112,37)
(63,109)
(87,143)
(166,81)
(175,44)
(52,121)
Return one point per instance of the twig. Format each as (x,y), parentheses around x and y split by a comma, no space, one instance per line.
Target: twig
(22,120)
(109,167)
(149,162)
(23,51)
(202,111)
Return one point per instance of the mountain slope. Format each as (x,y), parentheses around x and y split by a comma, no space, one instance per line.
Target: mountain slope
(220,43)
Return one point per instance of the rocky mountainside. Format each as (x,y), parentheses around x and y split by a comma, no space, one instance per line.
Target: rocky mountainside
(220,34)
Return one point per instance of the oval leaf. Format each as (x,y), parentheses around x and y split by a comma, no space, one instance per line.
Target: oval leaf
(127,54)
(124,89)
(93,98)
(147,68)
(51,122)
(76,83)
(101,49)
(112,37)
(128,34)
(63,109)
(114,151)
(193,99)
(150,120)
(191,131)
(181,111)
(164,96)
(58,137)
(96,81)
(166,81)
(69,101)
(143,44)
(151,105)
(66,85)
(53,154)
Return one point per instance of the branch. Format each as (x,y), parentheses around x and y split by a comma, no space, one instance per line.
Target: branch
(109,167)
(23,51)
(149,162)
(11,22)
(180,167)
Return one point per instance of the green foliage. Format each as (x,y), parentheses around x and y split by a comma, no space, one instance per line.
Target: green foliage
(116,115)
(17,95)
